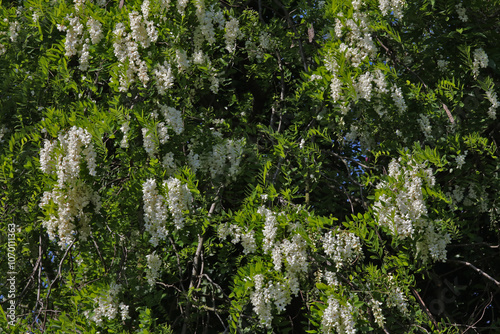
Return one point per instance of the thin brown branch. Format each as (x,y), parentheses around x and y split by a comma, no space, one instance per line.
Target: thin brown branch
(468,264)
(482,315)
(99,252)
(35,268)
(216,285)
(194,271)
(178,262)
(292,25)
(169,286)
(424,307)
(59,269)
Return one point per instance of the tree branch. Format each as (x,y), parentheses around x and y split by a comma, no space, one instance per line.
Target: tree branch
(194,272)
(55,279)
(292,25)
(424,307)
(468,264)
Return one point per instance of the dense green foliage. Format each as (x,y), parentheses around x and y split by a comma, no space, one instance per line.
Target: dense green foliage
(273,166)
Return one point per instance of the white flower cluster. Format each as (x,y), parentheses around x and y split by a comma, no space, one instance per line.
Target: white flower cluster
(232,34)
(162,131)
(443,65)
(77,43)
(402,209)
(395,297)
(214,80)
(394,7)
(315,77)
(336,87)
(377,312)
(228,152)
(493,98)
(343,247)
(71,195)
(173,117)
(357,35)
(265,41)
(433,244)
(364,86)
(237,234)
(181,6)
(126,47)
(179,199)
(84,56)
(159,134)
(148,141)
(256,49)
(155,212)
(425,126)
(168,162)
(397,96)
(14,31)
(95,30)
(73,34)
(108,306)
(263,296)
(164,77)
(460,160)
(470,197)
(290,254)
(338,318)
(3,131)
(357,46)
(153,269)
(270,229)
(330,277)
(380,83)
(125,128)
(295,253)
(208,18)
(461,13)
(480,61)
(143,31)
(78,4)
(182,60)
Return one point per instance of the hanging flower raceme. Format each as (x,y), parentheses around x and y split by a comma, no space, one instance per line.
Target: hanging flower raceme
(66,202)
(401,208)
(177,199)
(344,247)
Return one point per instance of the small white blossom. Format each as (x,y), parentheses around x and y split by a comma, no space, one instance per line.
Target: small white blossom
(492,97)
(425,126)
(95,30)
(344,247)
(480,61)
(149,142)
(338,318)
(182,60)
(14,31)
(179,199)
(70,196)
(231,34)
(155,212)
(461,13)
(443,65)
(153,271)
(460,159)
